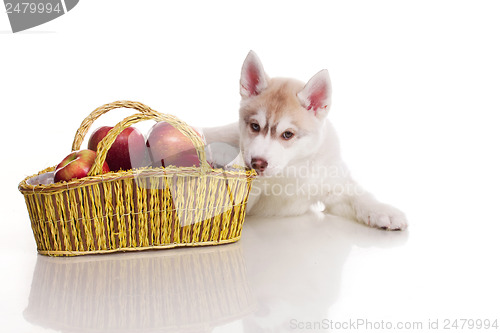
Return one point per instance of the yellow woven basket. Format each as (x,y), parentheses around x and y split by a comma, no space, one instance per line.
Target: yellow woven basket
(139,209)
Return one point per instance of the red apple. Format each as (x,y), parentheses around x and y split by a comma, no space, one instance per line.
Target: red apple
(188,159)
(126,152)
(77,165)
(168,146)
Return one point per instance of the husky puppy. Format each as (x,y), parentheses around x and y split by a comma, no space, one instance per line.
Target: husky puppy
(284,135)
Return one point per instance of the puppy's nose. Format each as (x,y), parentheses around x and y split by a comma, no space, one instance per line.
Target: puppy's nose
(259,164)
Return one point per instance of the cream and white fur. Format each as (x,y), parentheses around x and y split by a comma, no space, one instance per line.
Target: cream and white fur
(284,134)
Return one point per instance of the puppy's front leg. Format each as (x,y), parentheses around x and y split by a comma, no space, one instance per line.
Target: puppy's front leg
(222,144)
(378,214)
(362,206)
(229,134)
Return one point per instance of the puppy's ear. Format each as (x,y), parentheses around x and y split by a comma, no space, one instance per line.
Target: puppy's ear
(317,93)
(253,78)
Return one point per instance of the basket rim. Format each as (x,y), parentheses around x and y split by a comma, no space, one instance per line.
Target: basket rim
(169,171)
(139,249)
(150,252)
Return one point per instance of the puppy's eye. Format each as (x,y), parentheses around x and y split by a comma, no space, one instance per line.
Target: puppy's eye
(287,135)
(255,127)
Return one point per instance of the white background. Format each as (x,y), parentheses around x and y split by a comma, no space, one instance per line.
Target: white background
(416,98)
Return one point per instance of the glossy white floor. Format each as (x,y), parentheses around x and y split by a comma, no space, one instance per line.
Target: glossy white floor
(284,275)
(416,107)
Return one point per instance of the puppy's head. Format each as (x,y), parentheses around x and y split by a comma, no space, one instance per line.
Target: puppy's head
(281,120)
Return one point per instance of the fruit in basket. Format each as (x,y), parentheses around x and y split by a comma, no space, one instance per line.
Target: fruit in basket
(77,165)
(168,146)
(126,152)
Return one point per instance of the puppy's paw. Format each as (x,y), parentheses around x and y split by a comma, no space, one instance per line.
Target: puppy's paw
(384,217)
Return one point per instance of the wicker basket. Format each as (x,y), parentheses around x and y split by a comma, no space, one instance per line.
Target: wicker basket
(145,208)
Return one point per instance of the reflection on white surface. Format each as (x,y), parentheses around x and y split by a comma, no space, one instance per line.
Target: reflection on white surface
(182,290)
(281,270)
(295,265)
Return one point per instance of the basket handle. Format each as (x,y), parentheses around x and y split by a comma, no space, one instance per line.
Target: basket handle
(87,122)
(146,114)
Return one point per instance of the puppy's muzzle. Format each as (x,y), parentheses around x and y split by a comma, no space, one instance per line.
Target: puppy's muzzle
(259,165)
